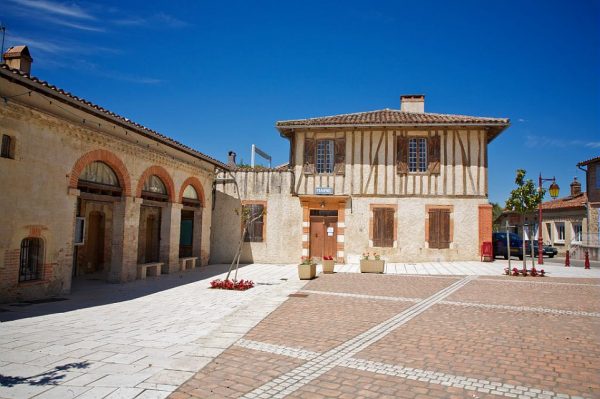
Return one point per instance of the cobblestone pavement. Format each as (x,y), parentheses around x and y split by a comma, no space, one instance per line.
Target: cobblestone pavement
(384,336)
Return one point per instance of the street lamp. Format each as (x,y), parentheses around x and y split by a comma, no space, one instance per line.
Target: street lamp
(553,189)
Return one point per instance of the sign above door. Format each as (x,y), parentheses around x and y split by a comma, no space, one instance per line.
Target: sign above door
(323,191)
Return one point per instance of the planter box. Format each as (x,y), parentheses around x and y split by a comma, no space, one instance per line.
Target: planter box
(328,266)
(372,266)
(307,272)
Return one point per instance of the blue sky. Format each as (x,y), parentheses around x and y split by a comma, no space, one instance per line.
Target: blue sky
(218,75)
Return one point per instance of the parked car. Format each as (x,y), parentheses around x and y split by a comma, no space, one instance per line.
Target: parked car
(548,250)
(499,245)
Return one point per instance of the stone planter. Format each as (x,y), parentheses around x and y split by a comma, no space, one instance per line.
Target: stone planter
(328,266)
(372,266)
(307,272)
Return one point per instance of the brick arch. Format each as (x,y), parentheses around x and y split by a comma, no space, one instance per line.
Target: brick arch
(194,182)
(108,158)
(164,176)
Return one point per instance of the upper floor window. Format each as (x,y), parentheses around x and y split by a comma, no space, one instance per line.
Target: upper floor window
(325,156)
(577,231)
(417,155)
(7,149)
(31,259)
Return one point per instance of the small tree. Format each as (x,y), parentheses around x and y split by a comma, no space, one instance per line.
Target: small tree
(496,212)
(524,199)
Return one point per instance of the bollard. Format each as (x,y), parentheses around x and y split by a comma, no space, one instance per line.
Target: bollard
(587,260)
(567,260)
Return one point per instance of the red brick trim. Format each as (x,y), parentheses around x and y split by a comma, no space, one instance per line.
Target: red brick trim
(194,182)
(164,176)
(108,158)
(485,224)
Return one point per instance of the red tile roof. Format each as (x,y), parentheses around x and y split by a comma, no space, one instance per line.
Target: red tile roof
(46,88)
(393,117)
(576,201)
(592,160)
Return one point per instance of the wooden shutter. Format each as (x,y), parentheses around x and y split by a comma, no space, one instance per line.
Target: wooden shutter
(439,228)
(433,155)
(401,155)
(309,156)
(434,228)
(340,155)
(444,237)
(383,227)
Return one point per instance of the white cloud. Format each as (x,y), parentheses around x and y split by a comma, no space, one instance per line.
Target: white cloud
(542,141)
(71,10)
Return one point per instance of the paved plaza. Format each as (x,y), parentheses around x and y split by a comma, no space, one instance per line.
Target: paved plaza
(422,330)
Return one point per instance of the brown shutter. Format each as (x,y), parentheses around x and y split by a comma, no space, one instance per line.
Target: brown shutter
(309,156)
(444,237)
(388,240)
(340,155)
(401,155)
(377,223)
(433,155)
(434,228)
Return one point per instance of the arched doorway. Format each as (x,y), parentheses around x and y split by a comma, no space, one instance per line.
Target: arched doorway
(155,197)
(99,190)
(191,223)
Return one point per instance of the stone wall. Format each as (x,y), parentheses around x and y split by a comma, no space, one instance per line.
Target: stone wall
(40,196)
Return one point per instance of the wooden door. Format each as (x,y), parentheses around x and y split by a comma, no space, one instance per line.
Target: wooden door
(152,238)
(323,236)
(317,234)
(95,244)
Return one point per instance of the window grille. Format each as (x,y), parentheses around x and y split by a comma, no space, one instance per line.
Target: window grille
(417,155)
(325,158)
(6,144)
(31,259)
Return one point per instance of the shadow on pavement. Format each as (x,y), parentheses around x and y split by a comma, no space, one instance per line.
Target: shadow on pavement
(90,293)
(50,377)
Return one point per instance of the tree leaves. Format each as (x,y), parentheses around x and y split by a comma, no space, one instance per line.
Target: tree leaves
(526,197)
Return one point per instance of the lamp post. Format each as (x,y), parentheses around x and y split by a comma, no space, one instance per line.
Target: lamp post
(554,194)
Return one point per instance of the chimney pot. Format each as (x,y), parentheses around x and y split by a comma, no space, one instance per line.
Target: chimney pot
(412,103)
(18,57)
(231,159)
(575,187)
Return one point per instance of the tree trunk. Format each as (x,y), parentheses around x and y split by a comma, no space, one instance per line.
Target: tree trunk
(523,243)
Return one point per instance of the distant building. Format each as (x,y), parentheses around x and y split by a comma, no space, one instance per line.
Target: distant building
(569,223)
(88,194)
(406,184)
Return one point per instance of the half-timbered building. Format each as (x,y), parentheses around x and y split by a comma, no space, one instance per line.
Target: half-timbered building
(405,184)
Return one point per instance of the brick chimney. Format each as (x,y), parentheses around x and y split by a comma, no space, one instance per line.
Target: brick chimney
(231,160)
(412,103)
(18,57)
(575,187)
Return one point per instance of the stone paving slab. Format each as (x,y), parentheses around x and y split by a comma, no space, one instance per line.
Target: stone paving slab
(139,339)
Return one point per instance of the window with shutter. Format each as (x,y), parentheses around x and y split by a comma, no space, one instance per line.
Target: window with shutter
(383,227)
(439,228)
(254,223)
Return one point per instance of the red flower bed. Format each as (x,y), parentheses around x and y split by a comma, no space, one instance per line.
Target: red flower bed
(241,285)
(516,272)
(327,257)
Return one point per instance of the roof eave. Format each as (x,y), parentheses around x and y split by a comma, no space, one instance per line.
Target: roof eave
(53,93)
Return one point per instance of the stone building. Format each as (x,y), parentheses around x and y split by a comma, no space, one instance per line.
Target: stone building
(570,223)
(406,184)
(87,193)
